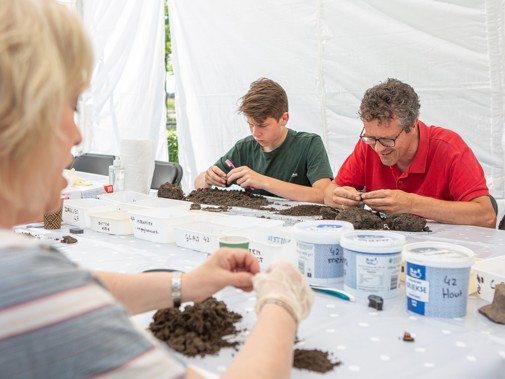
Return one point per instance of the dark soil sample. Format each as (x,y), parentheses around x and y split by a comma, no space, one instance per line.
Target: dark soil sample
(366,219)
(406,222)
(198,329)
(361,218)
(304,210)
(314,360)
(221,208)
(170,191)
(329,213)
(232,198)
(68,239)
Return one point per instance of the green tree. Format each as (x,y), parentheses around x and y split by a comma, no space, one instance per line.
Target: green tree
(168,42)
(172,142)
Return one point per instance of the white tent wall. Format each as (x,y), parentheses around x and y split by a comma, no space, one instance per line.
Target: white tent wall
(326,54)
(127,94)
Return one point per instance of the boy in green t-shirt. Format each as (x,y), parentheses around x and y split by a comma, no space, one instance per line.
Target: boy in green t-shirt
(273,160)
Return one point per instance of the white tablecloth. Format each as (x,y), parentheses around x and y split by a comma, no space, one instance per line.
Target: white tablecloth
(367,342)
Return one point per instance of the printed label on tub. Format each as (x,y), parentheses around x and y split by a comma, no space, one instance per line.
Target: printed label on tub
(320,261)
(436,292)
(377,273)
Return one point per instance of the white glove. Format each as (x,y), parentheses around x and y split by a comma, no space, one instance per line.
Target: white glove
(285,284)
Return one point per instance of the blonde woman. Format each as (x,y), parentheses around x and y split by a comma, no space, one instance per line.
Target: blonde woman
(57,320)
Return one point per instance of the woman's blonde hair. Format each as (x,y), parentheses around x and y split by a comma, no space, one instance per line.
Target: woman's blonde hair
(45,57)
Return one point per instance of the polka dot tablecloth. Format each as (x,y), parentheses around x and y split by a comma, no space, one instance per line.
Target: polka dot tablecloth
(368,342)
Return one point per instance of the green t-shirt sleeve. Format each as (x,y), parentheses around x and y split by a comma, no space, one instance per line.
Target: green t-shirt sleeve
(318,165)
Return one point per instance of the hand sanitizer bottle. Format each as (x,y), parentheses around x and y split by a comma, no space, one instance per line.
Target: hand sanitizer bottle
(119,174)
(111,172)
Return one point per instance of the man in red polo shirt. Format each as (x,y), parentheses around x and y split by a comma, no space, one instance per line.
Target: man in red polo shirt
(406,166)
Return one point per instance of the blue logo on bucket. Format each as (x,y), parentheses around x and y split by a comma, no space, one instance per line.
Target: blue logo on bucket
(417,288)
(329,226)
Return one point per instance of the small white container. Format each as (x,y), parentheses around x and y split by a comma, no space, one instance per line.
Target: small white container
(437,277)
(201,236)
(160,202)
(372,263)
(320,257)
(125,200)
(270,244)
(76,211)
(488,274)
(158,225)
(112,222)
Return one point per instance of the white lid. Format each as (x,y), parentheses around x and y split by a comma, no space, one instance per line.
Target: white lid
(438,254)
(321,231)
(373,241)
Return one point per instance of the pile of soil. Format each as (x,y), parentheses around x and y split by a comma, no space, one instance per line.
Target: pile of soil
(314,360)
(197,330)
(361,218)
(232,198)
(205,328)
(305,210)
(170,191)
(406,222)
(365,219)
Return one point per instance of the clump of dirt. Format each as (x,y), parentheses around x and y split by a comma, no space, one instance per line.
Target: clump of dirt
(68,239)
(232,198)
(314,360)
(366,219)
(361,218)
(304,210)
(197,330)
(170,191)
(406,222)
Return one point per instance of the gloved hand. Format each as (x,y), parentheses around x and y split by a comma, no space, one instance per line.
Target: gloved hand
(284,283)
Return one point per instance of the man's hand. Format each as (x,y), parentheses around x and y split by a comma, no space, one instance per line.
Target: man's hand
(344,197)
(388,201)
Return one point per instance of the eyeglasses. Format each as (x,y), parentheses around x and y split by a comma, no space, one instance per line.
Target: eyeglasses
(386,142)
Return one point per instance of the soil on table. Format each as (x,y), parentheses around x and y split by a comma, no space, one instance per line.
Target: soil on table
(314,360)
(205,328)
(232,198)
(170,191)
(199,329)
(365,219)
(359,217)
(305,210)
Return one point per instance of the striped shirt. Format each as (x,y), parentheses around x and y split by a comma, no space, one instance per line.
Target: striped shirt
(58,321)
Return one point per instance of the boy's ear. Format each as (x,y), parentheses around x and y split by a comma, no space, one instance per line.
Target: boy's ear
(284,118)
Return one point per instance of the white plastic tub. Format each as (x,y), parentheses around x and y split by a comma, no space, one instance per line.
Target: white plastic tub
(488,274)
(125,200)
(159,202)
(372,262)
(270,244)
(437,278)
(320,257)
(158,225)
(201,236)
(111,222)
(76,211)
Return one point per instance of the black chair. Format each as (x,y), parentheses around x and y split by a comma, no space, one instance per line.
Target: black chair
(164,172)
(494,204)
(93,163)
